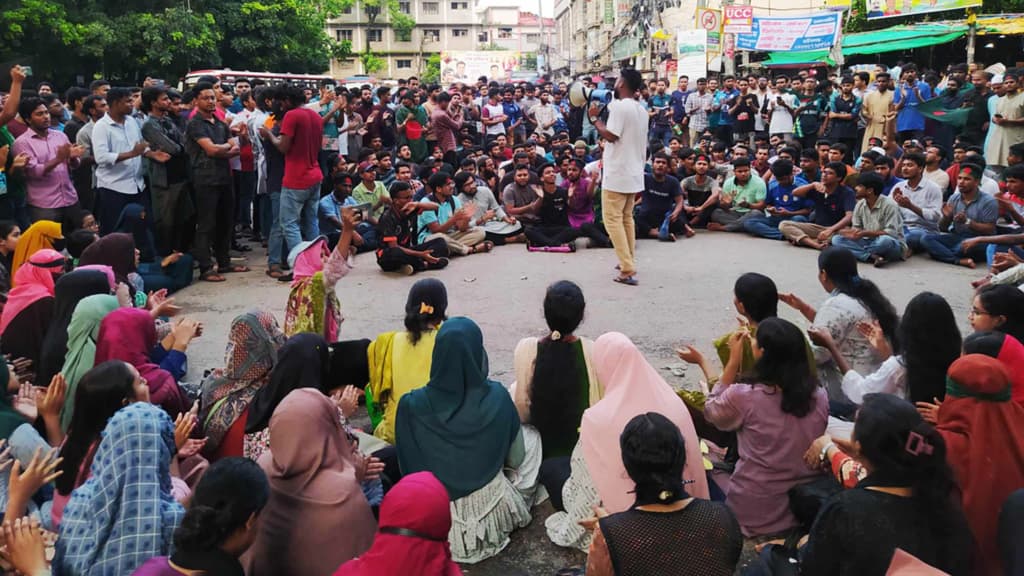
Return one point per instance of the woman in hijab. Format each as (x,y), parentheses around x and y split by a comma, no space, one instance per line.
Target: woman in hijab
(464,428)
(313,305)
(29,307)
(412,536)
(10,235)
(252,350)
(302,362)
(43,235)
(400,361)
(984,434)
(124,514)
(171,272)
(129,334)
(631,387)
(82,333)
(118,251)
(314,475)
(69,290)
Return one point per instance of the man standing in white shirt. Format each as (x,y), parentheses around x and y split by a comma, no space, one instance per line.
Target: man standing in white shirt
(622,179)
(118,148)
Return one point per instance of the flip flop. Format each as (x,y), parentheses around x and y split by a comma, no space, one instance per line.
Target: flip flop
(628,280)
(212,276)
(234,269)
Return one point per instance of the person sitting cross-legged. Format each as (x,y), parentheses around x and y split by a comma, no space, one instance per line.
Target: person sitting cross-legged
(968,213)
(833,209)
(877,232)
(397,231)
(554,231)
(781,204)
(662,196)
(451,220)
(742,198)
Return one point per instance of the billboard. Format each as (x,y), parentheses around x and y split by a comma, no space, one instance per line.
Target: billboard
(692,53)
(792,33)
(738,19)
(468,65)
(890,8)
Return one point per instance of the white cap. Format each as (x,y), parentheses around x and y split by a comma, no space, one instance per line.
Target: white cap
(997,79)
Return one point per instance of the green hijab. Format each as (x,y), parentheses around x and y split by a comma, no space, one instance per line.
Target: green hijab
(461,425)
(9,417)
(81,356)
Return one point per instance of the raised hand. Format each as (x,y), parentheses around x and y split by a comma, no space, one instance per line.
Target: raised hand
(184,424)
(49,402)
(24,547)
(41,470)
(25,402)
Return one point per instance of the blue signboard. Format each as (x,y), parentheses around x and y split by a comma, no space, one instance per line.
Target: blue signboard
(792,33)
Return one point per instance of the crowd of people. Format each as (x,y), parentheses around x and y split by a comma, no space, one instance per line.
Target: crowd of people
(863,441)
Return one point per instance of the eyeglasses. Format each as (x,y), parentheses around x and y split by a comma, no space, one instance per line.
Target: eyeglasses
(976,312)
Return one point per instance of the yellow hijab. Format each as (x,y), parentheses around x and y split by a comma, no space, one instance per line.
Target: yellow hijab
(39,236)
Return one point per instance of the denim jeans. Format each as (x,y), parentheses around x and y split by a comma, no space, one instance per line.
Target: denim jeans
(661,133)
(246,191)
(913,236)
(369,233)
(864,248)
(945,247)
(768,226)
(173,278)
(271,221)
(297,215)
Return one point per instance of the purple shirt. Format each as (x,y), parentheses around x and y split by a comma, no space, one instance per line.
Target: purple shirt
(771,446)
(46,190)
(581,206)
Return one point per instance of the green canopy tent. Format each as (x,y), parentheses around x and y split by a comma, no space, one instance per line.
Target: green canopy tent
(892,39)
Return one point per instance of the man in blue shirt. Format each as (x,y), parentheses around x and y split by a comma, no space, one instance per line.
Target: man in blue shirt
(679,105)
(328,211)
(660,112)
(968,213)
(781,204)
(910,93)
(721,103)
(514,117)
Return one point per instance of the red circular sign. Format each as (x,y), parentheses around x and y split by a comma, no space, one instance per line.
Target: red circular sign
(709,20)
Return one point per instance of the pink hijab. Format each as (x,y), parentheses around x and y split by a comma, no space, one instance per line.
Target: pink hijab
(32,282)
(309,261)
(631,387)
(106,270)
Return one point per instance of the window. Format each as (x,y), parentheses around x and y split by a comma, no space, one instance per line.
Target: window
(431,8)
(403,64)
(347,9)
(404,8)
(533,38)
(482,37)
(432,34)
(375,34)
(460,32)
(403,36)
(343,35)
(460,5)
(504,33)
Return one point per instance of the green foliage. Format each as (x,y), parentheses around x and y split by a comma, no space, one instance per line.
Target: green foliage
(432,74)
(857,19)
(371,62)
(129,40)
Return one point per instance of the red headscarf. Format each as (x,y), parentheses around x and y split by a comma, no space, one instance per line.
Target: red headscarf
(32,282)
(418,508)
(129,334)
(1012,357)
(984,434)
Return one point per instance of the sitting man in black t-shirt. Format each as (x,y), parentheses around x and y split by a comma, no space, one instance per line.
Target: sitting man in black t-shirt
(553,233)
(661,196)
(397,229)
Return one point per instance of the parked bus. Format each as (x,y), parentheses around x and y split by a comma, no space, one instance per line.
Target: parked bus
(228,78)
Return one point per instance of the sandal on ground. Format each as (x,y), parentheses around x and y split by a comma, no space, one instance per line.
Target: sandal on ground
(234,269)
(211,276)
(485,246)
(627,280)
(275,271)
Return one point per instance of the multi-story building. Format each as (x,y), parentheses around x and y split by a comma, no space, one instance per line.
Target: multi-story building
(440,25)
(510,28)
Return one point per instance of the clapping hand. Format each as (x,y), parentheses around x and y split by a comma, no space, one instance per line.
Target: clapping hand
(929,411)
(791,300)
(25,402)
(820,336)
(41,470)
(347,400)
(184,424)
(872,332)
(24,548)
(50,401)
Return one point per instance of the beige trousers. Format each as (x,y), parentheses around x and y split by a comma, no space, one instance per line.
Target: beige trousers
(797,231)
(617,210)
(461,242)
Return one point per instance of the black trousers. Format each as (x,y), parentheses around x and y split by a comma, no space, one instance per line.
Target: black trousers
(215,222)
(111,203)
(392,258)
(553,474)
(551,235)
(644,225)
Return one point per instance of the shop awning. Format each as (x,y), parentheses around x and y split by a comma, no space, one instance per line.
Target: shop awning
(892,39)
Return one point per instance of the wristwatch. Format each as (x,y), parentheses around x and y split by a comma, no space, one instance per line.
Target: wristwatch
(968,222)
(824,451)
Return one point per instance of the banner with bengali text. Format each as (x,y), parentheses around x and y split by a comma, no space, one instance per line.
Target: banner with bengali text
(792,33)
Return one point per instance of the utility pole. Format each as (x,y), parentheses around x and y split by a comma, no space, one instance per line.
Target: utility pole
(972,33)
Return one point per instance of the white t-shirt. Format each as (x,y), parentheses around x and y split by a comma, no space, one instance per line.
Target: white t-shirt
(624,158)
(781,118)
(493,111)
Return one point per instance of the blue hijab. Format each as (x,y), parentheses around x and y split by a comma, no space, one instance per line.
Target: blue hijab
(135,221)
(124,513)
(461,425)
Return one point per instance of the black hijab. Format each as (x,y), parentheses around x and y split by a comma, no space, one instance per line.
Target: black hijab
(116,250)
(69,290)
(302,362)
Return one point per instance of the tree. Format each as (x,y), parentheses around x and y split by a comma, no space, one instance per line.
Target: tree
(401,23)
(432,73)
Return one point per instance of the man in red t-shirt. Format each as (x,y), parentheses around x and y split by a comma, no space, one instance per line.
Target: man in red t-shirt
(299,142)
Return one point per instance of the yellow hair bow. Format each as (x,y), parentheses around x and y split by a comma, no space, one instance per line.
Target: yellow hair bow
(426,308)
